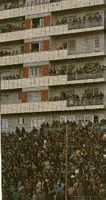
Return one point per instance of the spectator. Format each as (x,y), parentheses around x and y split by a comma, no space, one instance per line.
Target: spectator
(34,164)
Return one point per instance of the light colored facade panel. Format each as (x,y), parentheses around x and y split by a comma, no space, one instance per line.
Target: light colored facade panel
(43,107)
(44,56)
(43,32)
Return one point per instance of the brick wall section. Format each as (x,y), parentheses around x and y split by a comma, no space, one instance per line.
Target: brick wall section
(47,21)
(46,45)
(25,72)
(45,95)
(45,70)
(26,47)
(28,23)
(24,97)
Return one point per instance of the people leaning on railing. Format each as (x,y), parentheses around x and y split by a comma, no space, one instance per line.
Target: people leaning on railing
(94,70)
(88,20)
(76,100)
(17,4)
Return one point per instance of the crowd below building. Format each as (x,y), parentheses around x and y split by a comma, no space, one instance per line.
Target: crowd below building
(34,163)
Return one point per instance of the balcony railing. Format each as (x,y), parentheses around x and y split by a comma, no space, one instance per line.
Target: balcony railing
(82,76)
(76,101)
(12,5)
(80,24)
(86,198)
(84,49)
(10,52)
(89,70)
(70,77)
(12,27)
(11,77)
(85,101)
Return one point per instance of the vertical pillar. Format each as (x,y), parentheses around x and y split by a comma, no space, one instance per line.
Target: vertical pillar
(46,45)
(45,95)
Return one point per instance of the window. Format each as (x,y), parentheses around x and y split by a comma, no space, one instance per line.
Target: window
(70,118)
(35,71)
(41,22)
(21,2)
(38,22)
(62,119)
(21,121)
(88,118)
(72,46)
(96,119)
(37,46)
(89,91)
(97,43)
(65,45)
(4,124)
(96,91)
(37,122)
(88,45)
(34,96)
(93,91)
(19,97)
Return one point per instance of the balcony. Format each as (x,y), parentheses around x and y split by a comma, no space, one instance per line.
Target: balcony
(88,71)
(16,81)
(33,57)
(23,34)
(11,77)
(11,5)
(85,101)
(80,22)
(45,107)
(12,27)
(87,21)
(71,49)
(88,98)
(44,8)
(44,56)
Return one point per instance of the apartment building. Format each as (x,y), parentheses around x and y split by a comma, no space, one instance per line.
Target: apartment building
(52,62)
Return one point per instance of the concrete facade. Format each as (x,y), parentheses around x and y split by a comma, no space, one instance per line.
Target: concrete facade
(52,62)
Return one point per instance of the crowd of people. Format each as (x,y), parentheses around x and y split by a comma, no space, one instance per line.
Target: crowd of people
(87,20)
(78,22)
(90,70)
(73,23)
(11,27)
(75,100)
(12,77)
(55,161)
(10,52)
